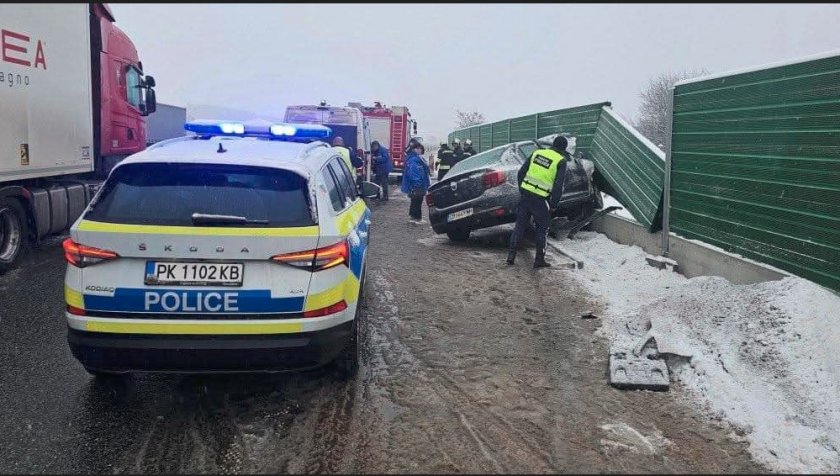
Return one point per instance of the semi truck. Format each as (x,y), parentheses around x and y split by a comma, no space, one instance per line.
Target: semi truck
(391,127)
(73,101)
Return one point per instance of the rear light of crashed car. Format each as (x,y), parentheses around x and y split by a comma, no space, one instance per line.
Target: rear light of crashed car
(319,259)
(80,255)
(494,179)
(430,201)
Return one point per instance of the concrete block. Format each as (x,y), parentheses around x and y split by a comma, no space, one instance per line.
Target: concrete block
(638,373)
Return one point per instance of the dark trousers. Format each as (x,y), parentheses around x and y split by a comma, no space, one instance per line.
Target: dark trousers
(382,180)
(531,205)
(442,173)
(415,210)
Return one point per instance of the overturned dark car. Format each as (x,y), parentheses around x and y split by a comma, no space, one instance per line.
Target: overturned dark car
(482,191)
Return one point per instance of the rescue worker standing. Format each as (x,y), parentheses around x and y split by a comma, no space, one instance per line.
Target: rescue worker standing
(447,160)
(382,166)
(347,155)
(457,151)
(541,186)
(468,150)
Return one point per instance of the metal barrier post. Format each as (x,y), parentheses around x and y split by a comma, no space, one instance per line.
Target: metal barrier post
(666,187)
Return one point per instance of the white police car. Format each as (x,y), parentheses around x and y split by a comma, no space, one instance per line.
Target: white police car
(235,249)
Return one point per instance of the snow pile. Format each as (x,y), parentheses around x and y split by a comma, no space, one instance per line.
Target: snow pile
(762,356)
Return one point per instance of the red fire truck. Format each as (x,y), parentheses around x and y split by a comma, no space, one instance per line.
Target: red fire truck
(392,127)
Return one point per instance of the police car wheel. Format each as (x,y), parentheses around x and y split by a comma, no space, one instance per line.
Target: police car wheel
(12,232)
(347,363)
(102,375)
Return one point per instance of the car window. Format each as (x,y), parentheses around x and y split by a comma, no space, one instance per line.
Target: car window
(336,194)
(527,149)
(511,157)
(479,160)
(168,194)
(132,86)
(341,174)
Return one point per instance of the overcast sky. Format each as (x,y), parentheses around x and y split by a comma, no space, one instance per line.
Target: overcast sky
(502,60)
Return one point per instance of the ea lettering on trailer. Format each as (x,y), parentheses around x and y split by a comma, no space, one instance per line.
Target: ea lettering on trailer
(172,301)
(15,49)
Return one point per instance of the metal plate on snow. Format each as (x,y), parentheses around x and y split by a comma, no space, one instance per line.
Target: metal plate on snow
(630,372)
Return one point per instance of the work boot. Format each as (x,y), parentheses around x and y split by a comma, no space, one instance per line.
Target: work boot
(540,262)
(511,257)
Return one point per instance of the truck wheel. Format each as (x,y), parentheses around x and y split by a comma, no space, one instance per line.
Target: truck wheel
(12,232)
(458,235)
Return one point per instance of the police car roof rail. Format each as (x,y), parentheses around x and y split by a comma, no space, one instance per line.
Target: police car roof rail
(312,146)
(166,142)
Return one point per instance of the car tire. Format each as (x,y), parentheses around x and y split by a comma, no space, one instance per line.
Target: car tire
(347,363)
(458,235)
(12,233)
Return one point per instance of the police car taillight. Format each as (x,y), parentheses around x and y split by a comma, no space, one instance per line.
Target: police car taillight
(326,311)
(317,260)
(80,255)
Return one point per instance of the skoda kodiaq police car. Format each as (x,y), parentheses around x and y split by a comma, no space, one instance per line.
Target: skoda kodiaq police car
(235,249)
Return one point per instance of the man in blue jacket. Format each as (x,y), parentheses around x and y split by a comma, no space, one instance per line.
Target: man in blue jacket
(416,182)
(382,166)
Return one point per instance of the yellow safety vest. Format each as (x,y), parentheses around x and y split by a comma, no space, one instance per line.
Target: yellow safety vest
(542,171)
(344,152)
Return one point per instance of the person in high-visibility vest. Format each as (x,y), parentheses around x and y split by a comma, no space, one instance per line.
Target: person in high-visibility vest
(446,159)
(344,152)
(540,187)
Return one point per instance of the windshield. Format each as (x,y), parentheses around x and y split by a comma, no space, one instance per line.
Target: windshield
(479,160)
(169,194)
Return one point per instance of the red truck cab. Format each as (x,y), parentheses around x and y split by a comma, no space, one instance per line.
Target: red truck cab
(122,95)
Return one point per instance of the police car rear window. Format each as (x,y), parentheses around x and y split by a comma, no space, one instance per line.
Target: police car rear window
(169,194)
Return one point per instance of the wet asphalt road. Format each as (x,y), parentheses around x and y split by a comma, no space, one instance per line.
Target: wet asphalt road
(469,366)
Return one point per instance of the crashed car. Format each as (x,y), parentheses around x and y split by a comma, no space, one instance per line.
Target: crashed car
(483,191)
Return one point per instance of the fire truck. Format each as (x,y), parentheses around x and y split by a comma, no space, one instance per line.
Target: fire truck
(392,127)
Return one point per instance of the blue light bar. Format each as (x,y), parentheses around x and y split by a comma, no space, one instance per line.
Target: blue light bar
(263,129)
(209,127)
(302,131)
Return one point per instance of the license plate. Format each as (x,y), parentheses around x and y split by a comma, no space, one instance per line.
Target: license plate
(194,273)
(459,214)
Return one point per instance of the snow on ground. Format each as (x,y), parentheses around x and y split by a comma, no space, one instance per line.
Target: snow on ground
(609,201)
(762,357)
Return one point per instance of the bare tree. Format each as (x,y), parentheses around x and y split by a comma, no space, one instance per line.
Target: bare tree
(467,119)
(652,120)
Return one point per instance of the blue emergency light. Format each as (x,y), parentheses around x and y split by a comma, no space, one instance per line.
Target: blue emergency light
(281,131)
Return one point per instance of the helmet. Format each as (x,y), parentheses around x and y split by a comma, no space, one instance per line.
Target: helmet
(469,142)
(444,143)
(457,140)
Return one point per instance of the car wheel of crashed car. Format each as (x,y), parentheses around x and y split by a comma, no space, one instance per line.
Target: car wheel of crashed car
(458,235)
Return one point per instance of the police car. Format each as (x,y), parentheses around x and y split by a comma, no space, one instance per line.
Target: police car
(237,248)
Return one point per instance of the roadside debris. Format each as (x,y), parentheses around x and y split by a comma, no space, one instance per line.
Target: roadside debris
(632,372)
(661,262)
